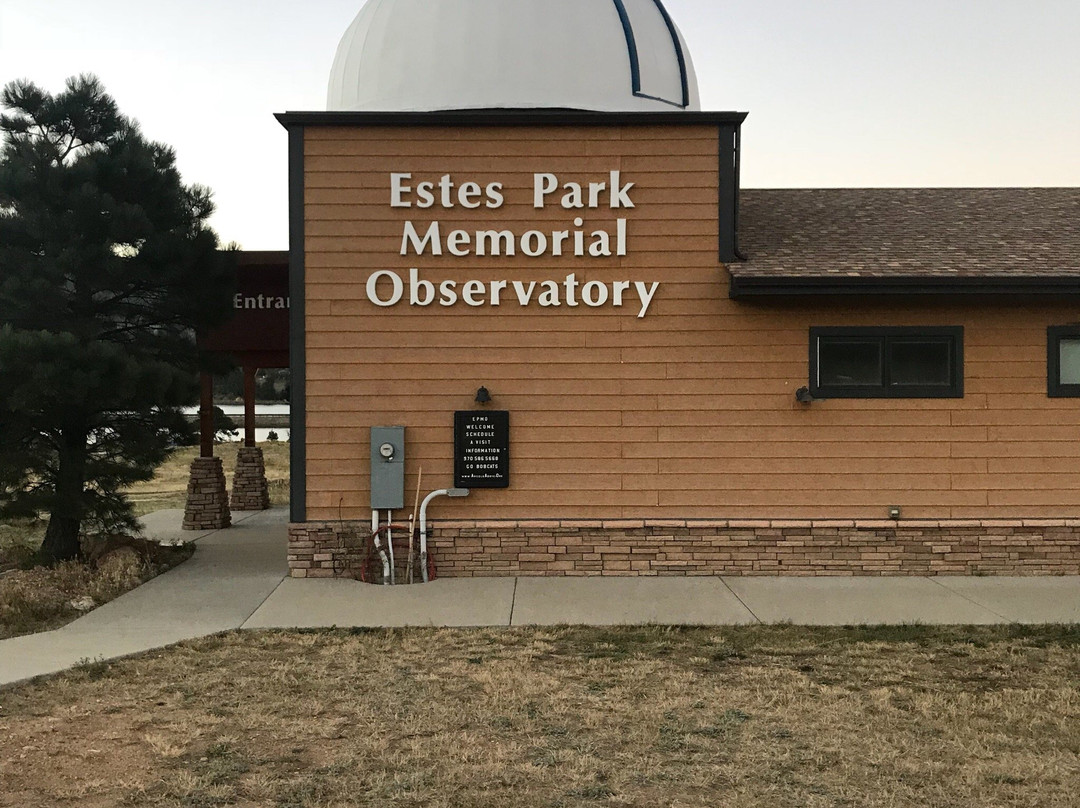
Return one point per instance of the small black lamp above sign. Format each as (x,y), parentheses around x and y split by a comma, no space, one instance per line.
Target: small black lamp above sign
(483,396)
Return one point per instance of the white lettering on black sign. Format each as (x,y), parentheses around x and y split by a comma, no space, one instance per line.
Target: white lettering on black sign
(482,449)
(259,302)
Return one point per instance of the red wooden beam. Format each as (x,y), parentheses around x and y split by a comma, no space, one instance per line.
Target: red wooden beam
(249,405)
(206,417)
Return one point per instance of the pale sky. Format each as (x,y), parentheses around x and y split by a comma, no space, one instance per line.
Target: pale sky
(841,93)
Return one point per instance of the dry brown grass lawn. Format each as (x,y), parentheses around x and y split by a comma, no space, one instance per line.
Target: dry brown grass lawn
(168,488)
(779,717)
(19,539)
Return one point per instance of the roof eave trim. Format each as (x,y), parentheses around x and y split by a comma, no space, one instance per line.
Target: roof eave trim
(747,287)
(510,117)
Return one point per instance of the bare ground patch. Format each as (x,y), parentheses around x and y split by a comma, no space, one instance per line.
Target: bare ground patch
(45,598)
(764,716)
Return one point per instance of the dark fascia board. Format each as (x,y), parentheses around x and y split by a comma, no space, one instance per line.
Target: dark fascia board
(745,287)
(510,117)
(247,258)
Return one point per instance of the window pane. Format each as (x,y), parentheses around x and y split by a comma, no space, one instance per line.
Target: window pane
(1070,361)
(927,364)
(849,362)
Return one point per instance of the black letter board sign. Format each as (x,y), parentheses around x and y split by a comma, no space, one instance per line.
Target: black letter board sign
(482,449)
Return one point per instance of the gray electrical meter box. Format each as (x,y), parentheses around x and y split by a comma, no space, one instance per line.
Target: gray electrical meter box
(387,468)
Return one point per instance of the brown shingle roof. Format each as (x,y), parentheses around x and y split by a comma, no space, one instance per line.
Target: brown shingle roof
(856,236)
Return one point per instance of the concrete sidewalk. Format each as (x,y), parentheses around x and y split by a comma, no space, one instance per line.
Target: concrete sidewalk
(232,572)
(676,601)
(237,579)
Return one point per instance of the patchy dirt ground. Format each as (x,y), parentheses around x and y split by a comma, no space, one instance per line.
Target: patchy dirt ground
(45,598)
(773,717)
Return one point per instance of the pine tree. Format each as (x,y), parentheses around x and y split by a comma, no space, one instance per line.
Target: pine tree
(107,269)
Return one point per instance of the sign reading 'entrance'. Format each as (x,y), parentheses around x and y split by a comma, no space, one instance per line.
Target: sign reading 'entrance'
(482,449)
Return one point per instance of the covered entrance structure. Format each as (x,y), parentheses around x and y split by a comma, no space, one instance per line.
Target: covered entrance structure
(256,338)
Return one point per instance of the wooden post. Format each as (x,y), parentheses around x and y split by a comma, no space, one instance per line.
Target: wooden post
(206,417)
(249,405)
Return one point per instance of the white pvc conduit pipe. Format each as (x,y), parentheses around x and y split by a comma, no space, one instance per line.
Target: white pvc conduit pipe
(378,547)
(442,492)
(390,545)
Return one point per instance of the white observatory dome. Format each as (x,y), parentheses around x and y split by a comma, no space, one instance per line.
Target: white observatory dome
(427,55)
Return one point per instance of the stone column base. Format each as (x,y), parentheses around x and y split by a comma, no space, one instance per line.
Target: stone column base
(207,499)
(250,491)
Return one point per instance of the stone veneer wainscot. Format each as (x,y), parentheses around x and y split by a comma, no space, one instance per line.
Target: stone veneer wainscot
(675,547)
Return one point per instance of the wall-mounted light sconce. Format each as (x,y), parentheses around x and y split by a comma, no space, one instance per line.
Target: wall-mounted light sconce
(802,395)
(894,512)
(483,396)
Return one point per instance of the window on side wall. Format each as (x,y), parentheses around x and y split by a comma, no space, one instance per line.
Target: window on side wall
(1063,361)
(915,362)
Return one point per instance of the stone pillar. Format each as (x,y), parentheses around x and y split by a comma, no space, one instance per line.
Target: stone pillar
(207,498)
(249,490)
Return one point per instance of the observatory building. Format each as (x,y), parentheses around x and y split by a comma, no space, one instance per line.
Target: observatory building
(523,272)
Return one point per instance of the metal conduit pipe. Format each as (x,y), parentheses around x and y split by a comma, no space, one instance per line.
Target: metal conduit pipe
(442,492)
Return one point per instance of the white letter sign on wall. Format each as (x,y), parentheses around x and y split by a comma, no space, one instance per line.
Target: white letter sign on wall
(373,288)
(386,287)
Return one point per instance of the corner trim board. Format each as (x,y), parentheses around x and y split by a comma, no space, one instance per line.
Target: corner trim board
(728,193)
(297,325)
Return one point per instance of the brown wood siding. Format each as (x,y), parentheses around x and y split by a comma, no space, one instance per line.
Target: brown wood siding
(687,413)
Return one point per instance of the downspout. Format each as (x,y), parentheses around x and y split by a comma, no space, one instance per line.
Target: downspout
(730,143)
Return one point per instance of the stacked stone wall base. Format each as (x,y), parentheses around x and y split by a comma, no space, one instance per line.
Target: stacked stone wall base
(700,548)
(250,491)
(207,498)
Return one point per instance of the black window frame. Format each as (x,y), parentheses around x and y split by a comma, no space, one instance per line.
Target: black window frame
(954,335)
(1054,387)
